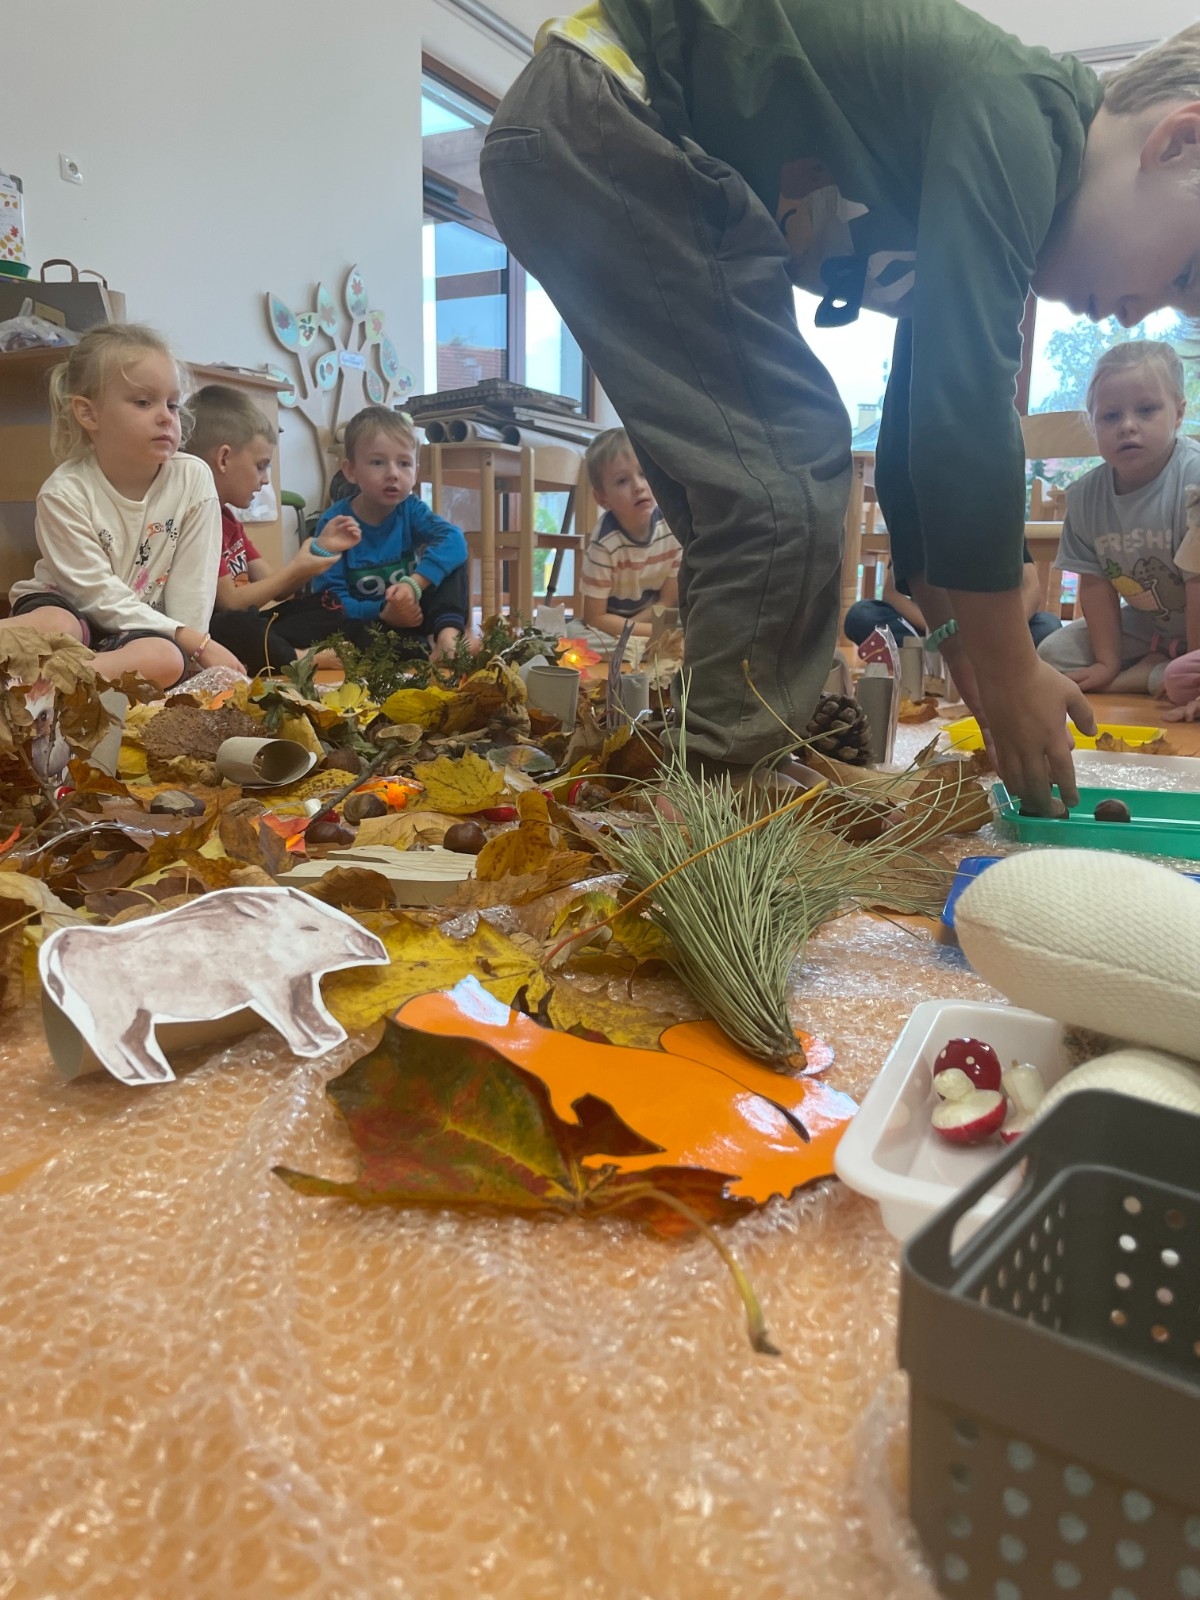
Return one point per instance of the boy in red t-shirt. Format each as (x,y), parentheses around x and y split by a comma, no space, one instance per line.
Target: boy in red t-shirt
(236,440)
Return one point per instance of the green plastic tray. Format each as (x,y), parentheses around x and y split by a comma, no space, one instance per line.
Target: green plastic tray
(1162,823)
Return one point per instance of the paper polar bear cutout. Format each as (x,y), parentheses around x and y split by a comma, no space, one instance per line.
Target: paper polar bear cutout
(1098,941)
(236,949)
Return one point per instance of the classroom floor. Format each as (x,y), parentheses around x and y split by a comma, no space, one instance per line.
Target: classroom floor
(214,1386)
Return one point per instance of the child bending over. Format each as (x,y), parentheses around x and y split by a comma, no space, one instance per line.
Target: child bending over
(128,531)
(632,560)
(1125,524)
(408,569)
(233,437)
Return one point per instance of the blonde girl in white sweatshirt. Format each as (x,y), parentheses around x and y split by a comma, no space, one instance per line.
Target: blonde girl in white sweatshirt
(129,532)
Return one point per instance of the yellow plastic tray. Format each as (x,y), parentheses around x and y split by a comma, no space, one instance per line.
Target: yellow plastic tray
(965,735)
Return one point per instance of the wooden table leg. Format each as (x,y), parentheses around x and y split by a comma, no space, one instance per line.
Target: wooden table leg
(523,596)
(487,529)
(853,543)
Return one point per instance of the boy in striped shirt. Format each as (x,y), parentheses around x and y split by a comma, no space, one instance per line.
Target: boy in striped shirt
(632,561)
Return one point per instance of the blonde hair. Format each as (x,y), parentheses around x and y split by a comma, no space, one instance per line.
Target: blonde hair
(378,419)
(88,371)
(1171,71)
(1138,353)
(602,452)
(220,416)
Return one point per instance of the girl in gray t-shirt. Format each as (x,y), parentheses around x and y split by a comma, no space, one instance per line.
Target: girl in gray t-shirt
(1126,529)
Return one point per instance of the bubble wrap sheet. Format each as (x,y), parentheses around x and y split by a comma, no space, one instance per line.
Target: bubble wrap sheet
(214,1387)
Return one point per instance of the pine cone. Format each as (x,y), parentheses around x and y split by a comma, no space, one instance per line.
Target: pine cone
(839,731)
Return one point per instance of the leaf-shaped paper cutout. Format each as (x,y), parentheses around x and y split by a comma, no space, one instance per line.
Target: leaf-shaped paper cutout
(710,1107)
(423,959)
(327,311)
(306,323)
(374,326)
(388,359)
(356,294)
(283,323)
(289,395)
(375,390)
(326,370)
(461,786)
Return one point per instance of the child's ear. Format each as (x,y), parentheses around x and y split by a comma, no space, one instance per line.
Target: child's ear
(348,471)
(84,412)
(601,500)
(1174,138)
(221,457)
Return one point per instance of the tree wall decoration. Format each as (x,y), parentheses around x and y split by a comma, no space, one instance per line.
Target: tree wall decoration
(339,368)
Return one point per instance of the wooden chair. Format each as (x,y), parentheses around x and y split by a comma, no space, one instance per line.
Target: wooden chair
(1051,436)
(508,479)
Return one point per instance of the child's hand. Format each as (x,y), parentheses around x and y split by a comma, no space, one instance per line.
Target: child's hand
(445,644)
(339,534)
(401,608)
(216,655)
(1093,679)
(1187,713)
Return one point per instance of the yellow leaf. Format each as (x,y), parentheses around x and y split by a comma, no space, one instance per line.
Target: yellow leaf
(302,731)
(460,786)
(131,762)
(404,829)
(423,960)
(571,1008)
(425,707)
(347,696)
(54,912)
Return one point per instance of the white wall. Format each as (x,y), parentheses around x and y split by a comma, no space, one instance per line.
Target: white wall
(230,147)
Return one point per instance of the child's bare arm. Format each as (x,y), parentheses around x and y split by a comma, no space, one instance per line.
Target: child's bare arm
(908,608)
(1101,608)
(273,585)
(597,615)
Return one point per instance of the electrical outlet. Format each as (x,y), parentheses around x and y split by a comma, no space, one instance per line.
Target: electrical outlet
(68,170)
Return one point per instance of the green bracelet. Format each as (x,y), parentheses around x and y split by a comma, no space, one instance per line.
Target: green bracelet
(413,585)
(938,637)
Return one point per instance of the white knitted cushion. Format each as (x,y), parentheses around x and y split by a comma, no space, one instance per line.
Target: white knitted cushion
(1094,939)
(1144,1074)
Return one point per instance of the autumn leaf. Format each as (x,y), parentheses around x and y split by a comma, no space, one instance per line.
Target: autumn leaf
(404,829)
(947,800)
(696,1095)
(449,1122)
(421,959)
(571,1009)
(32,892)
(459,787)
(924,710)
(245,833)
(357,888)
(427,708)
(533,846)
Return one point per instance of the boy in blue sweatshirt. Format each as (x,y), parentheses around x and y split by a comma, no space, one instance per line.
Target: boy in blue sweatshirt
(409,569)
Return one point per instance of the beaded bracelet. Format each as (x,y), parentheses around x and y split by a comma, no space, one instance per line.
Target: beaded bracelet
(413,585)
(201,647)
(938,637)
(321,552)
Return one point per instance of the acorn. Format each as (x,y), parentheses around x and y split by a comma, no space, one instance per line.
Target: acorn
(361,805)
(1112,811)
(467,838)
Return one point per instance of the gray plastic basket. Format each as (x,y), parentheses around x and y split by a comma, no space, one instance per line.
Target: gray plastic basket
(1055,1366)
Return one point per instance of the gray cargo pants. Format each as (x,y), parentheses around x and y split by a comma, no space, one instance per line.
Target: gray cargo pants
(670,273)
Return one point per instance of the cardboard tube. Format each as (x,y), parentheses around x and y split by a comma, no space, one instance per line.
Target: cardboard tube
(634,690)
(263,763)
(555,690)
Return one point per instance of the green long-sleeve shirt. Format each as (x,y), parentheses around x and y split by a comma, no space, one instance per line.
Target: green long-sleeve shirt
(914,155)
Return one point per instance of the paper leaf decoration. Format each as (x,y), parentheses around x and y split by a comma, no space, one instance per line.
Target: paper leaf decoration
(375,390)
(327,311)
(306,322)
(404,382)
(289,395)
(326,371)
(234,949)
(356,294)
(283,323)
(702,1102)
(374,326)
(388,359)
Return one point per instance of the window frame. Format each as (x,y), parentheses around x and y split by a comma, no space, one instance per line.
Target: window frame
(509,280)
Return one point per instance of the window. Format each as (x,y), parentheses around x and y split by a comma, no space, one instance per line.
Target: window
(858,358)
(484,317)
